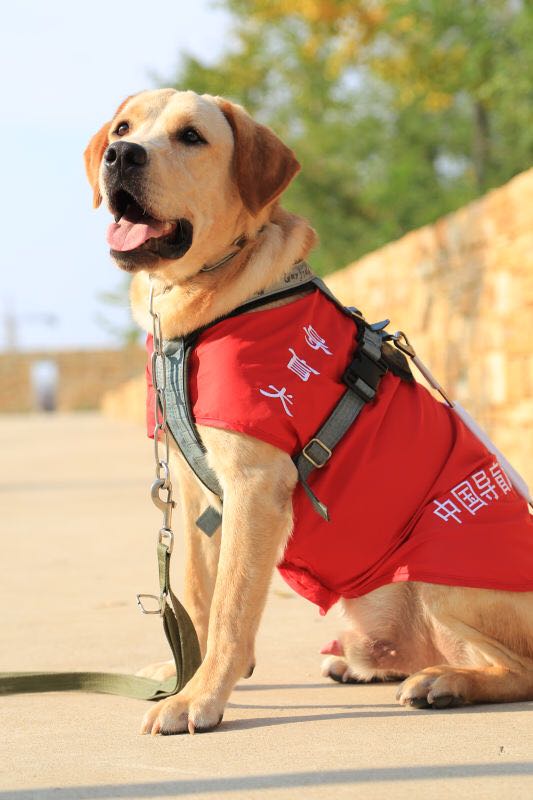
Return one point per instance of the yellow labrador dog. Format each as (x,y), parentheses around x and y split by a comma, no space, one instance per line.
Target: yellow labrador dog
(191,175)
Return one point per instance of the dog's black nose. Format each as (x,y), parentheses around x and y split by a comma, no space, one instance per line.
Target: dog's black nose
(125,155)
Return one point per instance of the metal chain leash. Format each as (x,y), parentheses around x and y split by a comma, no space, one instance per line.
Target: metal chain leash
(161,489)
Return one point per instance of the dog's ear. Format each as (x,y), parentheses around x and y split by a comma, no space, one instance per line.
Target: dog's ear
(263,165)
(93,155)
(94,152)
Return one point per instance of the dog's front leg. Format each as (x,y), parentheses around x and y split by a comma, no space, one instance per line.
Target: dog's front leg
(258,481)
(201,551)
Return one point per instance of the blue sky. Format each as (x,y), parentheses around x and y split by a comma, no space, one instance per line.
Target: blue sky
(65,67)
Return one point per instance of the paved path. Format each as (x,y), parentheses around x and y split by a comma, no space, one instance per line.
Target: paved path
(77,539)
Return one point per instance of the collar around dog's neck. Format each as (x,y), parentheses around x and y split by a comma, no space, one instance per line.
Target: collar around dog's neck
(239,243)
(298,275)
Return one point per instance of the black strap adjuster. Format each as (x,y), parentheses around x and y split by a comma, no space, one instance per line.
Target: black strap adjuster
(363,376)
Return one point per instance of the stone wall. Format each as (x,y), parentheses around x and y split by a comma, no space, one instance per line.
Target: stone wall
(83,377)
(128,401)
(462,289)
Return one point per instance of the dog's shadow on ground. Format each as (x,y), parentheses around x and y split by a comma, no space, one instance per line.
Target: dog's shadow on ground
(346,710)
(268,687)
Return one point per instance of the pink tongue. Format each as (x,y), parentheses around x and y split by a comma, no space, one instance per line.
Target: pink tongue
(127,235)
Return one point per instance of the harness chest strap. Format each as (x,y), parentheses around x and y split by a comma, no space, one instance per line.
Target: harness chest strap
(372,360)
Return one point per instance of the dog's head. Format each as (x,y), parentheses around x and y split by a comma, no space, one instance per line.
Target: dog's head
(184,176)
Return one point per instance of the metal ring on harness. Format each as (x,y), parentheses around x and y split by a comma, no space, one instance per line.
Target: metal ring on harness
(318,464)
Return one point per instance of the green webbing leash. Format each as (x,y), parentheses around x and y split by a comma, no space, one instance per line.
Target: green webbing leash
(181,637)
(177,624)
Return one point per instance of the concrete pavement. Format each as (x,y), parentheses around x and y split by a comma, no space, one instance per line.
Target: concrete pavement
(76,543)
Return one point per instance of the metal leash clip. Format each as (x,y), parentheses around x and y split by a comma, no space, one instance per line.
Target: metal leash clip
(164,505)
(401,341)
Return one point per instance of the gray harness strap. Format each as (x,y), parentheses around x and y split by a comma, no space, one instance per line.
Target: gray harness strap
(360,391)
(178,411)
(319,449)
(372,359)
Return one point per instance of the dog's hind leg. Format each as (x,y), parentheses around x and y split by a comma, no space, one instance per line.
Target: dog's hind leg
(386,640)
(488,638)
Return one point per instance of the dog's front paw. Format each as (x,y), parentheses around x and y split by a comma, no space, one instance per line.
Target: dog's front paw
(182,713)
(159,671)
(434,687)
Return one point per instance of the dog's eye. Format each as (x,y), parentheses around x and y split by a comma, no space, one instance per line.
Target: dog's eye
(190,136)
(122,129)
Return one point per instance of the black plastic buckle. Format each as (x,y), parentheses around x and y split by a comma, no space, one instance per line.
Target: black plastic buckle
(363,376)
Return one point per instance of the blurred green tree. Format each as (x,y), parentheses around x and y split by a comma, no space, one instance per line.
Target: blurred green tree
(399,110)
(125,332)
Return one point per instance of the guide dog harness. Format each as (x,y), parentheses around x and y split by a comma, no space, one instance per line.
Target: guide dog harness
(392,485)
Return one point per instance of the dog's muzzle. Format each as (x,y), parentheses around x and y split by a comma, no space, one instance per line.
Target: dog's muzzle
(138,238)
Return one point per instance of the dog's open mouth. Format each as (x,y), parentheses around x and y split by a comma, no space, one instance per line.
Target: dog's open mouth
(136,232)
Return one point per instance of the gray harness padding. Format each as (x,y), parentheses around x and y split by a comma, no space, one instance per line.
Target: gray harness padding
(373,358)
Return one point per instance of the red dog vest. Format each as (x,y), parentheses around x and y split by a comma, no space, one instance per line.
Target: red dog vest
(412,494)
